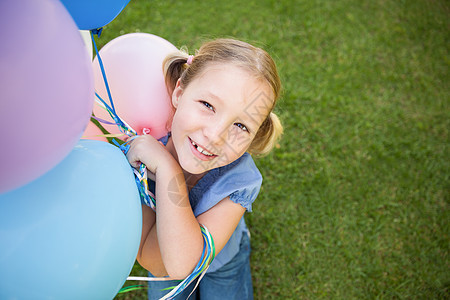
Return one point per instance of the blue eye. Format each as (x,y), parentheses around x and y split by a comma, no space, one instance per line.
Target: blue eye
(241,126)
(207,105)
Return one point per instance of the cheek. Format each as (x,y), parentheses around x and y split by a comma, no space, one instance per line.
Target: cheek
(240,143)
(180,121)
(184,115)
(239,139)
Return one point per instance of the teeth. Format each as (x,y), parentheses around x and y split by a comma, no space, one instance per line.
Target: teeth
(203,151)
(200,149)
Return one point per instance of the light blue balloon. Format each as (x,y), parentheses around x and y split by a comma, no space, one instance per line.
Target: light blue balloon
(73,233)
(93,14)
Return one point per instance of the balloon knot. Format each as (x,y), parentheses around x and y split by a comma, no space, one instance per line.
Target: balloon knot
(146,131)
(97,31)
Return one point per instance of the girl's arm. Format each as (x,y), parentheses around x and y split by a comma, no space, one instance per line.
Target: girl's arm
(174,243)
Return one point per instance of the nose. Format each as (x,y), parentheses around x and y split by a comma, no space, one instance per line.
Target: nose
(216,132)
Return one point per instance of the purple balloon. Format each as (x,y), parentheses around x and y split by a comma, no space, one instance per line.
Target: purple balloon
(46,88)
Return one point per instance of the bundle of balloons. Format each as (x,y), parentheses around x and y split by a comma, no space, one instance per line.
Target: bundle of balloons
(70,212)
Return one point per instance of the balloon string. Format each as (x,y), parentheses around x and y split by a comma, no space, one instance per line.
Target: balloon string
(141,174)
(131,288)
(103,121)
(208,254)
(102,135)
(98,31)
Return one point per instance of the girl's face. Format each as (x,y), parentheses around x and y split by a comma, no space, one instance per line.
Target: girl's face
(217,116)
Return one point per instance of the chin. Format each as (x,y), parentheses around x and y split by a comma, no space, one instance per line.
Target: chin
(194,167)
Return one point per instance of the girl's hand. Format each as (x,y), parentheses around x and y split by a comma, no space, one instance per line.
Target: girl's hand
(146,149)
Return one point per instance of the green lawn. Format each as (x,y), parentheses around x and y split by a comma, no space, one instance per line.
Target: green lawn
(355,201)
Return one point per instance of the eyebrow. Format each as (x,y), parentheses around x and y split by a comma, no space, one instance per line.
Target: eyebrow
(212,95)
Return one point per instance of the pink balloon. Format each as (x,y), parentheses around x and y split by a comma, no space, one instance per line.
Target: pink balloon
(92,132)
(47,88)
(133,66)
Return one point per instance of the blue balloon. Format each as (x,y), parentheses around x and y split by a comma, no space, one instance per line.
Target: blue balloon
(93,14)
(73,233)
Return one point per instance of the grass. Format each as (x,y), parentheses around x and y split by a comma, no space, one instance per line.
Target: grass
(355,201)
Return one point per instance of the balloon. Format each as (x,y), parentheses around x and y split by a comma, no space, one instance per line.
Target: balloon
(93,14)
(44,72)
(92,132)
(133,65)
(73,233)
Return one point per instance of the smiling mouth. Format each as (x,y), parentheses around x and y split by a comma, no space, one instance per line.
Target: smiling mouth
(201,150)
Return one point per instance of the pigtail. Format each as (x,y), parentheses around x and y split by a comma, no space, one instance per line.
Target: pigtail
(267,136)
(174,66)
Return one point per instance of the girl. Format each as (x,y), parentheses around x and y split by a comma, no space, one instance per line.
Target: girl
(223,100)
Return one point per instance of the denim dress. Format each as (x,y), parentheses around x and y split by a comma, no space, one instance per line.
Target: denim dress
(228,276)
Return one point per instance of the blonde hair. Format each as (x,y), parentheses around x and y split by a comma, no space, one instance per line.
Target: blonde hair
(239,53)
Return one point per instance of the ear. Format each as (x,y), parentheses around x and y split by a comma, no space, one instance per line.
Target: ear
(176,94)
